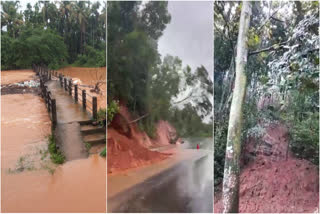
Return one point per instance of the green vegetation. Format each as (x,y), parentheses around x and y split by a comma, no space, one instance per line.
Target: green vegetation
(113,109)
(91,57)
(56,156)
(101,116)
(302,118)
(150,85)
(103,153)
(34,46)
(53,34)
(282,70)
(88,146)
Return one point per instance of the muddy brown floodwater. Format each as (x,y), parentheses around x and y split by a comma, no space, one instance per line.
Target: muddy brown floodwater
(13,76)
(89,76)
(29,181)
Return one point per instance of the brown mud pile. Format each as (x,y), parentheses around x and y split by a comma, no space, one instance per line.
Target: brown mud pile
(274,181)
(128,147)
(89,77)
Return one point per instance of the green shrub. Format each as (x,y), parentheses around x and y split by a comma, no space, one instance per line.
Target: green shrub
(302,118)
(91,58)
(304,138)
(112,110)
(55,155)
(88,146)
(101,115)
(220,141)
(103,153)
(57,158)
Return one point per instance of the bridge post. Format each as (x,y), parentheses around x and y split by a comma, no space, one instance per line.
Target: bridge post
(65,84)
(47,97)
(84,103)
(41,84)
(60,78)
(54,111)
(42,88)
(76,93)
(49,75)
(94,108)
(70,87)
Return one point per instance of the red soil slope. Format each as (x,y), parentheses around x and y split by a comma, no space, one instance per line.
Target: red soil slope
(128,146)
(274,180)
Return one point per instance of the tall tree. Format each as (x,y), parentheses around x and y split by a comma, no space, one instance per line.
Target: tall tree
(233,150)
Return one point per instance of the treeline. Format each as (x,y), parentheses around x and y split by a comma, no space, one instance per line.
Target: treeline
(282,70)
(147,83)
(53,34)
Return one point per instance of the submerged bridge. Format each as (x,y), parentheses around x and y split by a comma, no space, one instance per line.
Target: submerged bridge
(73,113)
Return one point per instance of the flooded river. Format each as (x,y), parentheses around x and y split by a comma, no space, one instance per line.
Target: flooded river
(14,76)
(29,181)
(89,76)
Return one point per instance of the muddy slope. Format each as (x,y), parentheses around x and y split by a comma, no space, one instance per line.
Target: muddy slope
(273,180)
(128,147)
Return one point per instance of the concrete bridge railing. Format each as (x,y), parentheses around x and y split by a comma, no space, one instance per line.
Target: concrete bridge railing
(46,94)
(89,103)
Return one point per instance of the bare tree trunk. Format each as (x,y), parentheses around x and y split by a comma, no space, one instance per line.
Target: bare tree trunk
(227,85)
(233,150)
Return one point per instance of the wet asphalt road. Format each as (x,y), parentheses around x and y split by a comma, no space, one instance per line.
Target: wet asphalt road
(186,187)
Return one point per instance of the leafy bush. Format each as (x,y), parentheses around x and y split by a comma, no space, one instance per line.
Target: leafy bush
(56,156)
(6,52)
(37,46)
(112,110)
(101,116)
(304,138)
(302,117)
(91,58)
(220,142)
(103,153)
(87,145)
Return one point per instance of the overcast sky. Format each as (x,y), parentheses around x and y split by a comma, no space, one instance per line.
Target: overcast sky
(189,35)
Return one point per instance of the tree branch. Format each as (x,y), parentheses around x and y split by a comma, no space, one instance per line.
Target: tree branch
(139,118)
(271,48)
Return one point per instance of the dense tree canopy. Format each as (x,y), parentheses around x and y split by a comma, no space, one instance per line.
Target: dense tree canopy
(147,83)
(53,34)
